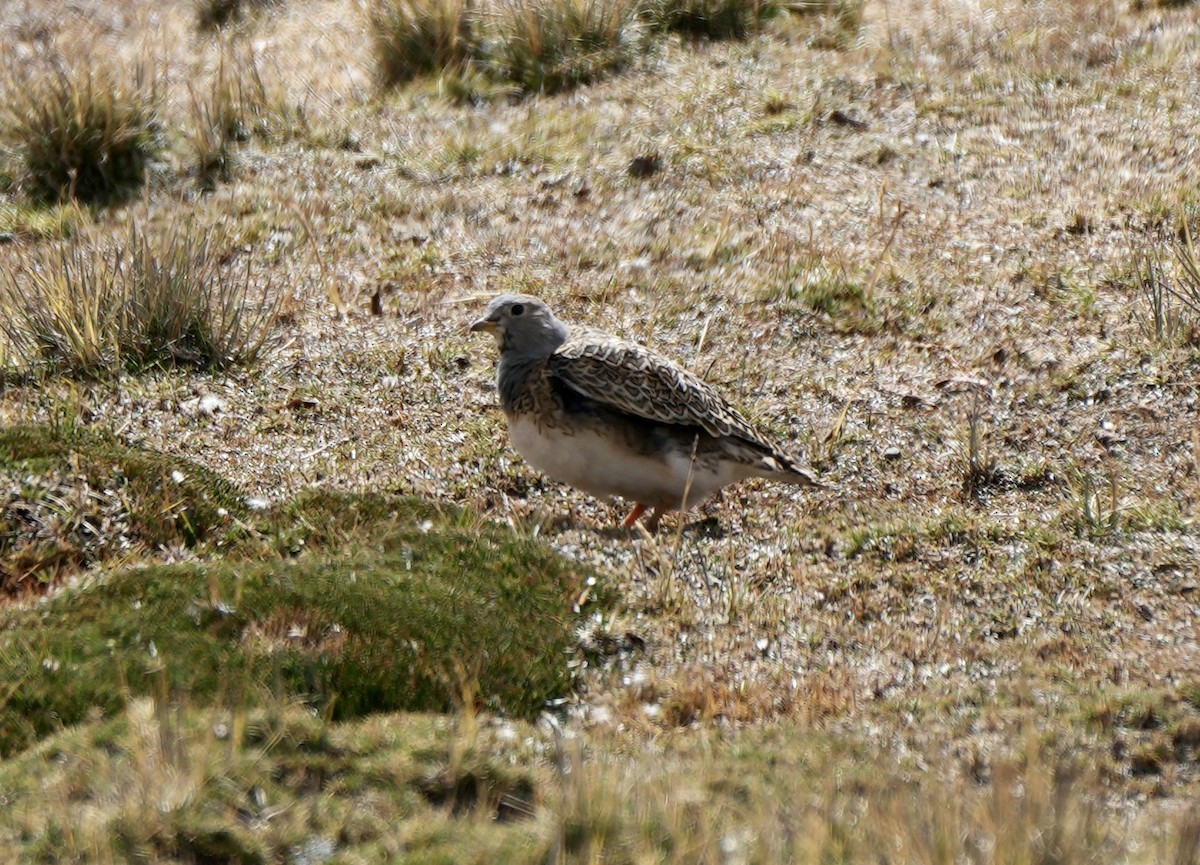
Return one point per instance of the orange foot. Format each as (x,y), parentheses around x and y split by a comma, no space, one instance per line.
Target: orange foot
(637,511)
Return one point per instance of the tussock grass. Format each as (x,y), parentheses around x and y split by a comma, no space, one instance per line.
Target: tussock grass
(88,133)
(216,14)
(237,106)
(153,301)
(546,46)
(536,46)
(423,37)
(713,19)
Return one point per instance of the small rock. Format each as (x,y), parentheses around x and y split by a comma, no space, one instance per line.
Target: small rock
(645,165)
(892,453)
(841,118)
(210,404)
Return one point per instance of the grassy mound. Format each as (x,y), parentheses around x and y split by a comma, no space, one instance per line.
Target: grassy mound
(72,497)
(408,608)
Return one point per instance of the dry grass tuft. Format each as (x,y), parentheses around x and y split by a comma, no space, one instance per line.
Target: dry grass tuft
(536,46)
(713,19)
(546,46)
(839,25)
(88,134)
(238,105)
(217,14)
(1167,282)
(421,37)
(152,301)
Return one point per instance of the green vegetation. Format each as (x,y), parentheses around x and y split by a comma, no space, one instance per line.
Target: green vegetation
(394,604)
(27,221)
(72,498)
(435,615)
(172,783)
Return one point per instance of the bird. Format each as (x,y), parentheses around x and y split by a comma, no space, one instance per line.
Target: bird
(612,417)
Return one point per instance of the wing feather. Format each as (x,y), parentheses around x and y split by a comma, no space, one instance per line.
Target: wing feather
(638,381)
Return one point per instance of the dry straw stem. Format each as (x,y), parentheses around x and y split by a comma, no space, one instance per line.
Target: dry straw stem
(1168,282)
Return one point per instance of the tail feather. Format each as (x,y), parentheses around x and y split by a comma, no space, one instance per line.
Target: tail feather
(772,464)
(777,467)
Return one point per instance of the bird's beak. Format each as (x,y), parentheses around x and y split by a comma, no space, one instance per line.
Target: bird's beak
(490,325)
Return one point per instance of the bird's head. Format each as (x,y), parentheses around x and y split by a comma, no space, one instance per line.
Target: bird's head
(522,324)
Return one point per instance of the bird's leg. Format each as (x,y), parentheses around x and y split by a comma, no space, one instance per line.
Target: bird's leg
(637,511)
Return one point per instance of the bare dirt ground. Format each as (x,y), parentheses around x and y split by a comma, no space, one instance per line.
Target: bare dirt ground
(912,258)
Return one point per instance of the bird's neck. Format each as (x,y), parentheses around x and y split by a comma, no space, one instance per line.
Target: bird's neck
(512,374)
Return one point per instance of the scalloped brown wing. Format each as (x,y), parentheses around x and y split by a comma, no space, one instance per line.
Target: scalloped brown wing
(635,380)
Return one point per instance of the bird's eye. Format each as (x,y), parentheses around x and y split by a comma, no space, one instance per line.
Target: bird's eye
(517,308)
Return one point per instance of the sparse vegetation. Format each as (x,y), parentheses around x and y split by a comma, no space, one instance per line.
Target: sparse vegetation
(236,107)
(1167,282)
(88,134)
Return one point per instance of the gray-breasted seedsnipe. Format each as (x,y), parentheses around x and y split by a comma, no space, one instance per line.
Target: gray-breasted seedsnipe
(613,418)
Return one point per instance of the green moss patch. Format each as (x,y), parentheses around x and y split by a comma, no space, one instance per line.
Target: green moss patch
(72,497)
(408,608)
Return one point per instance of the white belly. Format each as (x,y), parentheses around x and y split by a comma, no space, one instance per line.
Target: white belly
(603,467)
